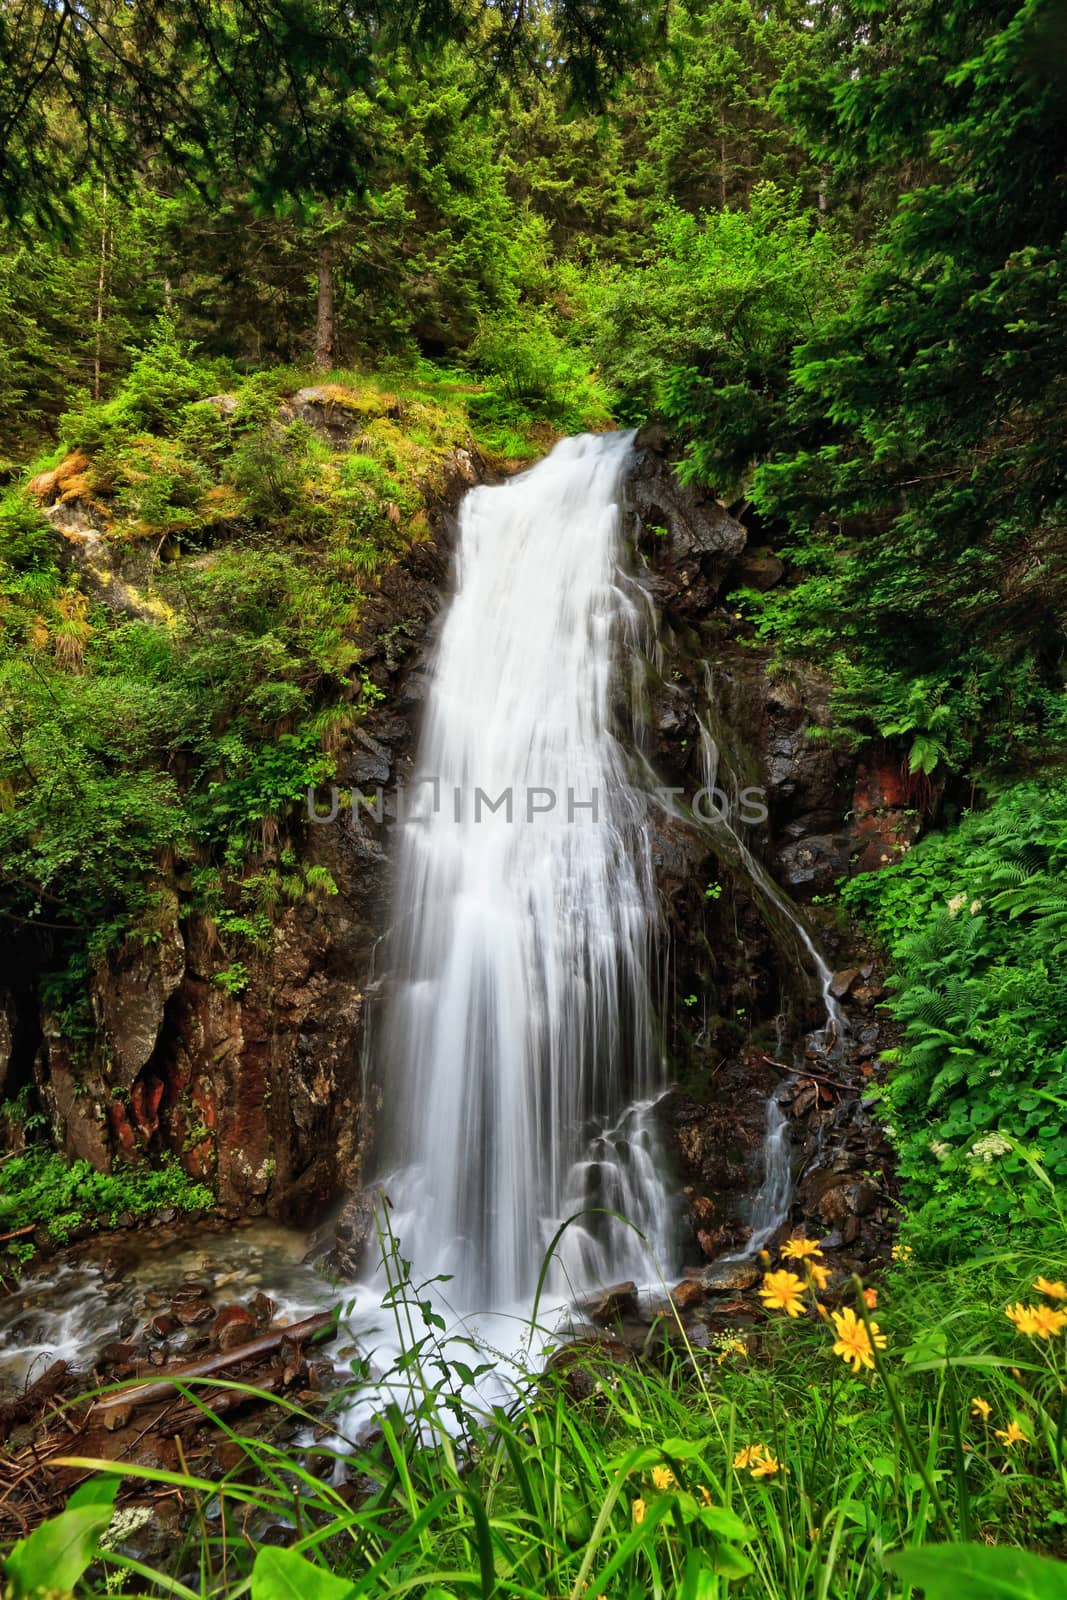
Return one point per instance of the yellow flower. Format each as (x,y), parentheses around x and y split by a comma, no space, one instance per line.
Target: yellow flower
(870,1298)
(820,1276)
(1022,1316)
(639,1512)
(853,1343)
(902,1252)
(1037,1322)
(800,1250)
(758,1460)
(704,1495)
(783,1291)
(1055,1291)
(1014,1433)
(663,1478)
(980,1408)
(1047,1322)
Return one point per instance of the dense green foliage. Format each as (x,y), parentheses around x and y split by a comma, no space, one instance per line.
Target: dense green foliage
(65,1198)
(975,921)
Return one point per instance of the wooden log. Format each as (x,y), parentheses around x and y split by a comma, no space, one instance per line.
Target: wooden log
(18,1233)
(140,1394)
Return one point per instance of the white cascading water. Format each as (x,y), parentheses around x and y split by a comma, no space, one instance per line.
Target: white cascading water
(517,1063)
(770,1205)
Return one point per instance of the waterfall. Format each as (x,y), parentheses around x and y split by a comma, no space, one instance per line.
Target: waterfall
(517,1058)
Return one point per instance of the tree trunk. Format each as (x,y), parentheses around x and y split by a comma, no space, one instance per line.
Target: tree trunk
(324,321)
(101,285)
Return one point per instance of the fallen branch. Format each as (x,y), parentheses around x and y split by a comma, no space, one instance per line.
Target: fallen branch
(226,1400)
(806,1072)
(138,1394)
(18,1233)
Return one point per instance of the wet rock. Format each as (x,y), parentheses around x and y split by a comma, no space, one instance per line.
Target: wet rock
(586,1366)
(163,1325)
(192,1289)
(191,1312)
(118,1355)
(713,1242)
(842,982)
(232,1326)
(688,536)
(263,1308)
(687,1294)
(610,1304)
(730,1277)
(355,1232)
(132,987)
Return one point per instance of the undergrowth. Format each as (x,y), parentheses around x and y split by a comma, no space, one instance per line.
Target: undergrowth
(975,924)
(41,1189)
(826,1454)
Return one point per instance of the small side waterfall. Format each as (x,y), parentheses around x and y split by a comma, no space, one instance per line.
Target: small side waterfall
(770,1205)
(517,1057)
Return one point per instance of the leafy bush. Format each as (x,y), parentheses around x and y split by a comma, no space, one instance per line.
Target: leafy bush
(42,1187)
(162,381)
(975,921)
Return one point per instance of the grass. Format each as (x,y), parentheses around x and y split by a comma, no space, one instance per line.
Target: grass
(764,1468)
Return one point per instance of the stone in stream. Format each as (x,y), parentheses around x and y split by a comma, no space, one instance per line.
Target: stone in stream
(610,1304)
(232,1326)
(730,1277)
(191,1291)
(163,1325)
(263,1307)
(190,1312)
(690,1292)
(118,1355)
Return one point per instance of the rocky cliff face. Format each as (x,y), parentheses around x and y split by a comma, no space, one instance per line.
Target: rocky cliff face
(256,1087)
(742,999)
(259,1091)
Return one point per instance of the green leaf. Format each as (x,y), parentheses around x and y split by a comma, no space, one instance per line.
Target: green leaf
(683,1449)
(57,1553)
(981,1572)
(285,1575)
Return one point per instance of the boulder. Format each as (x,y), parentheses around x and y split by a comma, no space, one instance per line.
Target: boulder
(609,1305)
(233,1325)
(730,1277)
(131,989)
(687,1294)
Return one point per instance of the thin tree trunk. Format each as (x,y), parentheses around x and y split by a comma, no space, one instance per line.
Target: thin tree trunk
(100,286)
(324,325)
(722,170)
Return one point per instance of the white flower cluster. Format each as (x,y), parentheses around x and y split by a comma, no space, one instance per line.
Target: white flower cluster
(990,1146)
(940,1148)
(958,901)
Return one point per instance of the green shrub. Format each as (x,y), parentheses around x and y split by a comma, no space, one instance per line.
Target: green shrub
(975,921)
